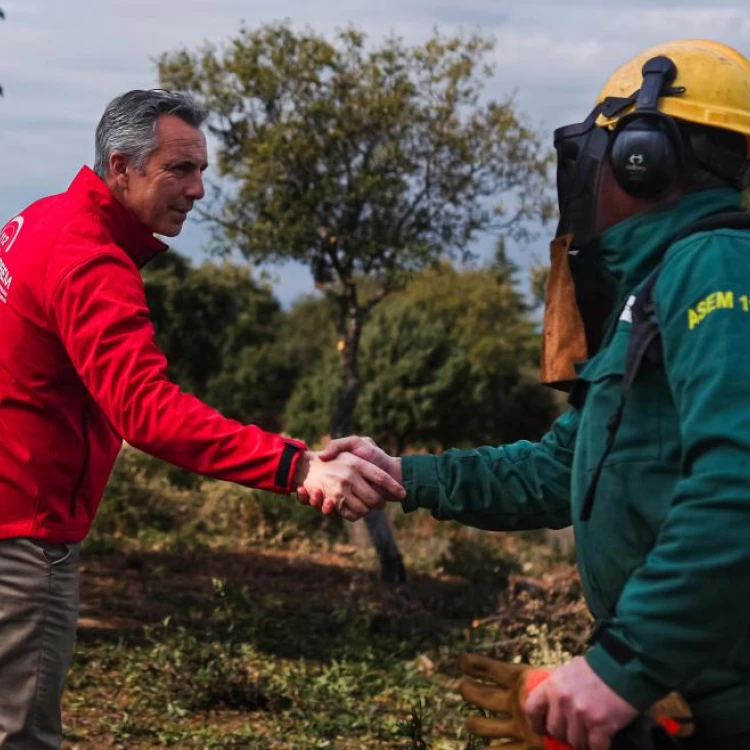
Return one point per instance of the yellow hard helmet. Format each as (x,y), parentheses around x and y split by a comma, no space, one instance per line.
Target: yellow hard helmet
(678,103)
(714,76)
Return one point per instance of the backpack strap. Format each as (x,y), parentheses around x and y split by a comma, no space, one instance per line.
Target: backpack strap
(645,344)
(645,337)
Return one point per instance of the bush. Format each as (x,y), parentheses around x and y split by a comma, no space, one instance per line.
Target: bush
(474,559)
(184,673)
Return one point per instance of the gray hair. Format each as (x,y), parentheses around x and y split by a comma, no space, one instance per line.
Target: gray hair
(128,125)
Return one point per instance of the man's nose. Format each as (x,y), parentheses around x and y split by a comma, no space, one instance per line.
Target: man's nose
(195,189)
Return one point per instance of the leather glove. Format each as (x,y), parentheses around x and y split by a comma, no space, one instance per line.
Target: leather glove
(502,688)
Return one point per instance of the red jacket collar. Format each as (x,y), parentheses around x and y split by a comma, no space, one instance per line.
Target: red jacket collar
(134,237)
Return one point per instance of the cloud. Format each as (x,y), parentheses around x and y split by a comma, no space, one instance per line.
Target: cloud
(61,62)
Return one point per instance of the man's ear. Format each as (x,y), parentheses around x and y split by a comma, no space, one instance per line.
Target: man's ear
(119,165)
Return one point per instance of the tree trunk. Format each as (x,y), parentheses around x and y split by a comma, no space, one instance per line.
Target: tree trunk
(392,568)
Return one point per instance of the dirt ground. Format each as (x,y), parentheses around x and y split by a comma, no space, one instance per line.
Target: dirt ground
(303,602)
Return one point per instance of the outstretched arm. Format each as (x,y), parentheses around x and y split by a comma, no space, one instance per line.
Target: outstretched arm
(519,486)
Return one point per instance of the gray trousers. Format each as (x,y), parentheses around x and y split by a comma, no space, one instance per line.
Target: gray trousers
(38,616)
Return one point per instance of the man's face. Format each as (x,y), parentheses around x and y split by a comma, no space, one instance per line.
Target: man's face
(162,194)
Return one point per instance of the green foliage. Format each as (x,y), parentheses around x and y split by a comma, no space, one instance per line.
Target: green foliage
(446,362)
(449,361)
(307,341)
(539,277)
(368,163)
(472,557)
(308,411)
(259,635)
(185,673)
(485,313)
(305,333)
(141,504)
(364,162)
(506,274)
(359,159)
(217,327)
(482,313)
(443,362)
(414,378)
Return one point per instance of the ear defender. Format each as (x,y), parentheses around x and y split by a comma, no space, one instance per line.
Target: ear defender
(646,151)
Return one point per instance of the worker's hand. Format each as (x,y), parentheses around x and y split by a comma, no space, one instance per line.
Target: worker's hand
(365,449)
(576,706)
(346,485)
(501,688)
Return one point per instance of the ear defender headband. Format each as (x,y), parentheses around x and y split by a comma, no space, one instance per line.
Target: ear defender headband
(646,151)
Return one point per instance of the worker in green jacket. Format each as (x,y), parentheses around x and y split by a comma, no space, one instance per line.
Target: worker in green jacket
(660,503)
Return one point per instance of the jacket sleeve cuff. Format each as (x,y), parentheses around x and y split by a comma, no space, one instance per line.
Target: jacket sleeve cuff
(629,679)
(420,479)
(287,465)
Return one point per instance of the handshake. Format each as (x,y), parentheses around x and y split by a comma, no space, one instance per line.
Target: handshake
(350,478)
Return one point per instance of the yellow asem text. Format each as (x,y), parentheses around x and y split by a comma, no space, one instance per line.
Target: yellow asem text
(714,301)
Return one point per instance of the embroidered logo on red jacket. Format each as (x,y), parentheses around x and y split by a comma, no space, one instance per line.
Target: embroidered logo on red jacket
(10,231)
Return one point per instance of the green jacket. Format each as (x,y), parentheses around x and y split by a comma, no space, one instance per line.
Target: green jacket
(665,556)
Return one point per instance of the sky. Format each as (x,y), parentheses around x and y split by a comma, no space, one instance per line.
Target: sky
(61,61)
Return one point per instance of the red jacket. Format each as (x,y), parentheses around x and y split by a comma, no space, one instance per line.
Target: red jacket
(80,371)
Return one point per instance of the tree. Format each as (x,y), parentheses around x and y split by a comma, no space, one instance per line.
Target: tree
(218,328)
(539,278)
(365,163)
(485,315)
(412,374)
(414,378)
(448,362)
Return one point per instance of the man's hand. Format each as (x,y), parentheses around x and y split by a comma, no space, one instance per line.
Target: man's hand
(346,484)
(575,706)
(365,449)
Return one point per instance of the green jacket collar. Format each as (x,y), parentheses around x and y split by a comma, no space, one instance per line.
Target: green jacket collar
(631,249)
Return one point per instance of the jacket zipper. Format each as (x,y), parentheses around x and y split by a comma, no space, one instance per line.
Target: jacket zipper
(84,468)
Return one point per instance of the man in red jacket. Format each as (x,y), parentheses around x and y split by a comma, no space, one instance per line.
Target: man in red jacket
(80,373)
